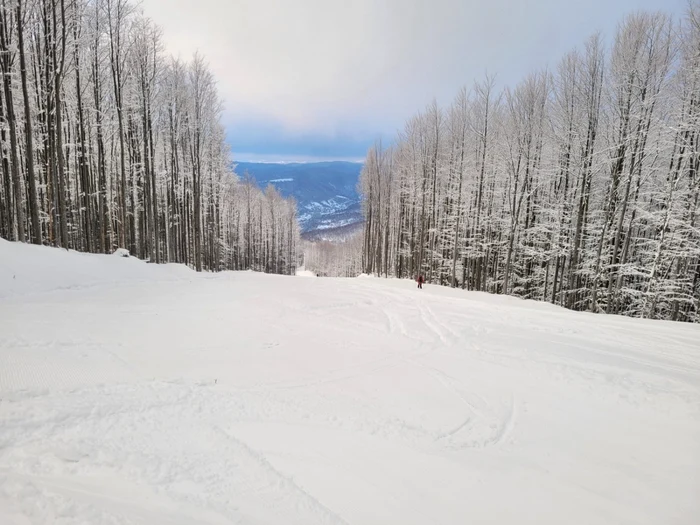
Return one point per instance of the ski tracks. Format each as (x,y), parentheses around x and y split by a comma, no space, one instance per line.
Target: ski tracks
(131,435)
(303,499)
(485,423)
(396,309)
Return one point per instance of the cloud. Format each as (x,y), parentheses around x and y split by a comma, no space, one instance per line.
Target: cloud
(269,137)
(334,70)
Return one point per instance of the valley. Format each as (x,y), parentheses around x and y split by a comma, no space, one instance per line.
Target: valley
(325,192)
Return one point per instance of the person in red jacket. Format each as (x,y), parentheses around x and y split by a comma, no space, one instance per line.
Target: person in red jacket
(420,282)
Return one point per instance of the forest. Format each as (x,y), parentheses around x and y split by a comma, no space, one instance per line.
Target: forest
(334,258)
(578,186)
(107,142)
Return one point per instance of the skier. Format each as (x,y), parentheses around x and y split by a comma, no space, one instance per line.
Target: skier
(420,282)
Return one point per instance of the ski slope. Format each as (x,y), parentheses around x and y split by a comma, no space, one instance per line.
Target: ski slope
(136,393)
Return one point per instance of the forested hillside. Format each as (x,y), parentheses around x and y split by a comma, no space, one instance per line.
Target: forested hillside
(107,142)
(578,186)
(325,192)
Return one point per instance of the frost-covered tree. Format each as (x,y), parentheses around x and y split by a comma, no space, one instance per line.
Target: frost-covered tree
(107,142)
(579,186)
(334,258)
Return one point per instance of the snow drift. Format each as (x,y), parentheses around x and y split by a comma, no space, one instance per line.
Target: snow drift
(136,393)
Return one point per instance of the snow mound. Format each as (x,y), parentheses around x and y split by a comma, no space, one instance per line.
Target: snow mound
(143,393)
(28,269)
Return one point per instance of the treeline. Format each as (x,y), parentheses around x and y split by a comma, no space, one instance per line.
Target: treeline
(341,258)
(579,186)
(107,142)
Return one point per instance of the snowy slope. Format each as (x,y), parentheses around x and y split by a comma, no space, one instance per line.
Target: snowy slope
(135,393)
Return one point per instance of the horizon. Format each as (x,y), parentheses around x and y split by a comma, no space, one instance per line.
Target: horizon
(270,159)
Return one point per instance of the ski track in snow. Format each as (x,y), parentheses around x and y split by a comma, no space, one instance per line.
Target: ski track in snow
(135,393)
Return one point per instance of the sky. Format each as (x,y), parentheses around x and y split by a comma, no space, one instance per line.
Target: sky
(314,79)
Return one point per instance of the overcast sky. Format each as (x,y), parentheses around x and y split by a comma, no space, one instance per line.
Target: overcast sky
(305,79)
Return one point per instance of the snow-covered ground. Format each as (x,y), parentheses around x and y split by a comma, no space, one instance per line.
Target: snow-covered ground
(136,393)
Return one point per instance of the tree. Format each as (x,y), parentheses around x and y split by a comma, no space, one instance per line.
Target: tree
(578,186)
(122,145)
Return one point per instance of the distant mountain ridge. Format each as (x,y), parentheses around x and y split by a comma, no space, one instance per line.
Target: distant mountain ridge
(326,192)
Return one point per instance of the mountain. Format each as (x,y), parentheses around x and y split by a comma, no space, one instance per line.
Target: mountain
(334,235)
(326,192)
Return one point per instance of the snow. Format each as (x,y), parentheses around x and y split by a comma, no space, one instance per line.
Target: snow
(334,223)
(141,393)
(303,272)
